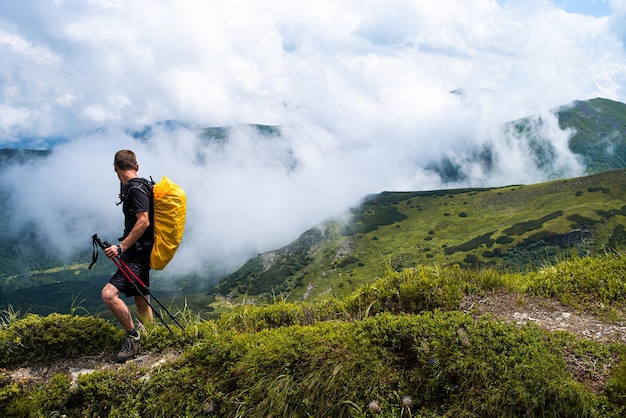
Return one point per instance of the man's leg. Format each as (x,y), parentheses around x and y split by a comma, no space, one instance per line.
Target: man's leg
(110,296)
(143,309)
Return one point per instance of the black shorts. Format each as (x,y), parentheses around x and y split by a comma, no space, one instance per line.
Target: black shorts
(122,279)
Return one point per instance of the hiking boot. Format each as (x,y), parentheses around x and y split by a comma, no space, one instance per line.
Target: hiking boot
(129,349)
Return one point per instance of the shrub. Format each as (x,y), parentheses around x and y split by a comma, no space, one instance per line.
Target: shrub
(616,386)
(598,189)
(588,280)
(580,220)
(9,393)
(371,218)
(55,396)
(411,290)
(504,239)
(527,226)
(109,392)
(474,243)
(252,318)
(35,339)
(618,237)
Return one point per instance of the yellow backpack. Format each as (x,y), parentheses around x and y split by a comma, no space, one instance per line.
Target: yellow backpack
(170,209)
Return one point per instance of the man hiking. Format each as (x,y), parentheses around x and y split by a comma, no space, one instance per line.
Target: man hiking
(133,249)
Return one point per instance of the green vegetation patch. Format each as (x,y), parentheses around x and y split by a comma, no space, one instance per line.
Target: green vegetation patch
(597,189)
(36,339)
(580,220)
(474,243)
(587,281)
(611,213)
(398,347)
(523,227)
(370,220)
(479,368)
(250,318)
(433,364)
(410,291)
(617,239)
(505,239)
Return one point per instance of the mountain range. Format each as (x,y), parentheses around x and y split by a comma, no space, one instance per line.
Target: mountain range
(510,227)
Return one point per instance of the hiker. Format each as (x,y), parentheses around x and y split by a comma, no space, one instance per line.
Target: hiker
(134,249)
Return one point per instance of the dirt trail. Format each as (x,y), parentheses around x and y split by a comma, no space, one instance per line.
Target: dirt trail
(546,313)
(31,376)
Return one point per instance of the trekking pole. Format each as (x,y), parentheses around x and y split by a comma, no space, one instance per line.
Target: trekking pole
(127,272)
(123,267)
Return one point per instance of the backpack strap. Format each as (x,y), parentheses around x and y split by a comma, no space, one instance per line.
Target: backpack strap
(137,182)
(132,184)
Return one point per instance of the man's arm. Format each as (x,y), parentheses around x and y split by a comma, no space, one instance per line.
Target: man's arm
(143,222)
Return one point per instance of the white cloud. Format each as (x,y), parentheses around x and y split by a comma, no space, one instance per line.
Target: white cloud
(362,89)
(231,62)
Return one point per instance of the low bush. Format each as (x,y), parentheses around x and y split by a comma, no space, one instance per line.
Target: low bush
(35,339)
(616,386)
(479,368)
(250,318)
(411,290)
(474,243)
(588,281)
(527,226)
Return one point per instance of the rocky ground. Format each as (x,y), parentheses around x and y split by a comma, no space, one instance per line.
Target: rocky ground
(549,314)
(30,376)
(546,313)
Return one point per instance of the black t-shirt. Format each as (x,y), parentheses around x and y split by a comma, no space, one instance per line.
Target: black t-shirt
(136,198)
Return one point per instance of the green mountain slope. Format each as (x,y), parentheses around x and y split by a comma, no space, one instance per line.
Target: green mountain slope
(513,227)
(597,130)
(600,138)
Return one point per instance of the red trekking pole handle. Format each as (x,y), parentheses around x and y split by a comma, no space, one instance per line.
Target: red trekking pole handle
(119,263)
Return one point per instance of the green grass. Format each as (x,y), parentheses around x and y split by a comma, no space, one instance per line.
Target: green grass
(399,346)
(34,339)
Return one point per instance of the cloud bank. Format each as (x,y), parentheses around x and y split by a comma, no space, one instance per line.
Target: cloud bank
(360,89)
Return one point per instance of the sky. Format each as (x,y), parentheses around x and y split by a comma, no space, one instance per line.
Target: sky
(597,8)
(361,90)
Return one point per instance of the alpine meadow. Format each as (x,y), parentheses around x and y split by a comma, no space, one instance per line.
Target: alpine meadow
(463,302)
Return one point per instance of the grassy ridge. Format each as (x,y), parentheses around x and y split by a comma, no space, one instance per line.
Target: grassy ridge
(513,228)
(397,347)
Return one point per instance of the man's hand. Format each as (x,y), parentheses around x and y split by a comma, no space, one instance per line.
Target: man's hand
(112,251)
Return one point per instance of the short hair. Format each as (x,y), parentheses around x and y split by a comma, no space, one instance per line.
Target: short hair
(125,160)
